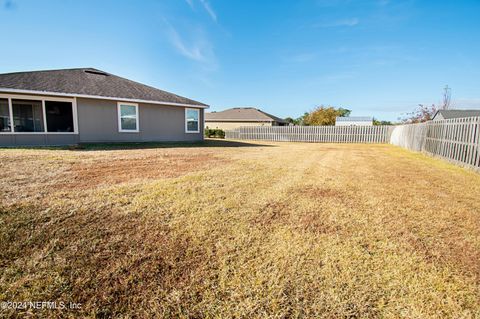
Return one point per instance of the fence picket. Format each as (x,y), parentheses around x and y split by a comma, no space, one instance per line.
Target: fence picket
(455,140)
(322,134)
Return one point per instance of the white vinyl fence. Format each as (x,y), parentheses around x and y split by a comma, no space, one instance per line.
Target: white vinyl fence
(456,140)
(409,136)
(315,134)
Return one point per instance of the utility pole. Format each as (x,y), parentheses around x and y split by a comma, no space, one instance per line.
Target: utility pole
(447,96)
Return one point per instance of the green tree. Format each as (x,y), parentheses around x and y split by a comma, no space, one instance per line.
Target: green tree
(297,121)
(290,120)
(344,112)
(293,121)
(322,115)
(377,122)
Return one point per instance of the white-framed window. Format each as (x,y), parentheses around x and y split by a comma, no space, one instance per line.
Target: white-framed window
(192,120)
(127,117)
(31,114)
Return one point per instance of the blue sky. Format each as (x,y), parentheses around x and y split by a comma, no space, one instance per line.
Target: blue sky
(376,57)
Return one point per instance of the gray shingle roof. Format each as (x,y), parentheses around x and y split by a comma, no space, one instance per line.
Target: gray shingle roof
(88,81)
(354,119)
(455,114)
(242,114)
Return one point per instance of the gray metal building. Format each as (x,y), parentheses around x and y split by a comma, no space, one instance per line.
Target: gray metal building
(354,121)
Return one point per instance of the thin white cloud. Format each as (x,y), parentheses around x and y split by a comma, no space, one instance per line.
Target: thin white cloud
(206,5)
(195,46)
(209,9)
(350,22)
(192,52)
(190,3)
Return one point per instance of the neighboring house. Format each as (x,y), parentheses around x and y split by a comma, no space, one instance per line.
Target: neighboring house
(241,116)
(71,106)
(454,114)
(354,121)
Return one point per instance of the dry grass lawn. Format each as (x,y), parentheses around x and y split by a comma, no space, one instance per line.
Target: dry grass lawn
(271,230)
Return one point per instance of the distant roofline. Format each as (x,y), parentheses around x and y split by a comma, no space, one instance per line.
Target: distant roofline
(459,110)
(99,97)
(270,117)
(455,110)
(240,120)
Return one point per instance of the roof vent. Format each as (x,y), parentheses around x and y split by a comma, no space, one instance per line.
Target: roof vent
(96,72)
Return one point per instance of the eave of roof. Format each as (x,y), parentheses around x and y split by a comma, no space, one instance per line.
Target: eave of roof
(99,97)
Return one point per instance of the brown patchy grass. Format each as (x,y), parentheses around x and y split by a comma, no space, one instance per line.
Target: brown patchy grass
(119,170)
(39,172)
(282,230)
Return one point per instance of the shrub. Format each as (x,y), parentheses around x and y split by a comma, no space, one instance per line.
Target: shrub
(218,133)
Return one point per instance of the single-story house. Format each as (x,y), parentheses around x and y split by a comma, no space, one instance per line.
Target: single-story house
(454,114)
(354,121)
(61,107)
(241,116)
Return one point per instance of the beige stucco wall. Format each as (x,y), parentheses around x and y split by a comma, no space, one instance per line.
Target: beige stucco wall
(233,125)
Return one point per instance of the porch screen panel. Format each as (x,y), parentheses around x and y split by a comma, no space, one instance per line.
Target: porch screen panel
(59,116)
(27,116)
(4,116)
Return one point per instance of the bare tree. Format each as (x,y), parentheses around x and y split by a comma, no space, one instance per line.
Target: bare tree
(447,97)
(421,114)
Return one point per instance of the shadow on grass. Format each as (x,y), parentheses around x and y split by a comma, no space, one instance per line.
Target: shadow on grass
(146,145)
(143,145)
